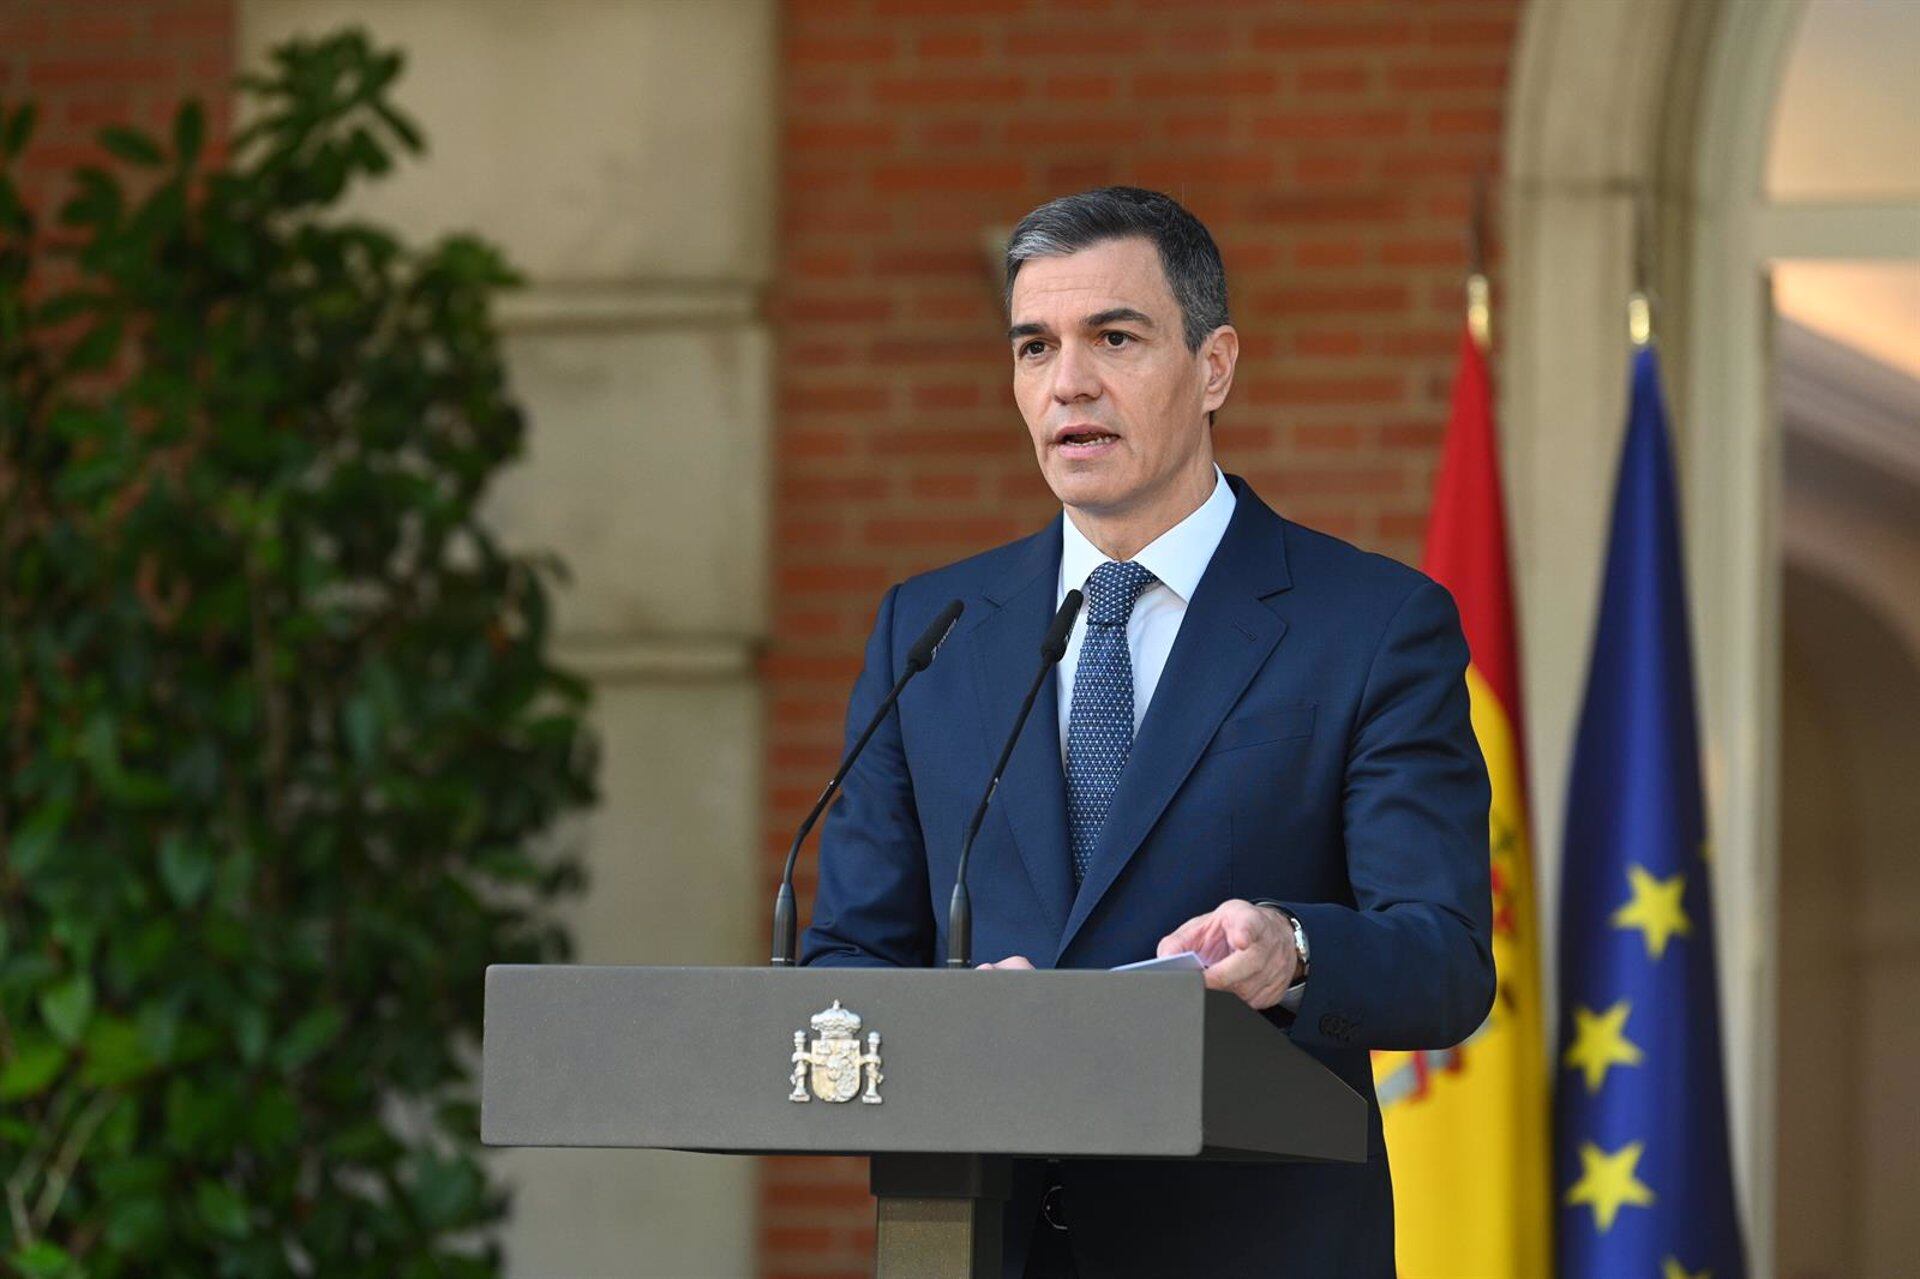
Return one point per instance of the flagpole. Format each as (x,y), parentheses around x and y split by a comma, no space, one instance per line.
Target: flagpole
(1479,292)
(1639,319)
(1639,301)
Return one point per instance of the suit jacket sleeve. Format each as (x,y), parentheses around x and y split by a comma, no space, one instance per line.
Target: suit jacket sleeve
(872,907)
(1410,964)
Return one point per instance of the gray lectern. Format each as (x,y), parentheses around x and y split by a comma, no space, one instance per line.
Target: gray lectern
(941,1077)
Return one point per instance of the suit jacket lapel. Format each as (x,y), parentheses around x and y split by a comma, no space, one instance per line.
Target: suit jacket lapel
(1032,799)
(1224,639)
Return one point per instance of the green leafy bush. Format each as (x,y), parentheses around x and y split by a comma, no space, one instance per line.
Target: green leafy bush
(278,726)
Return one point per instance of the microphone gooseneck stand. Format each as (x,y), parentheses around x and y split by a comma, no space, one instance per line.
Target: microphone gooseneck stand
(960,909)
(919,657)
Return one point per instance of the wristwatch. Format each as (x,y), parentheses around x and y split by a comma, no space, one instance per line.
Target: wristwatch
(1302,951)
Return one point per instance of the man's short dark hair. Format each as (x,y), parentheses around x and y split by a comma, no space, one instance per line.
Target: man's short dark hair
(1187,251)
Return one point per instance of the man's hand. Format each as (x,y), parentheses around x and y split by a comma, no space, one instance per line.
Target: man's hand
(1008,964)
(1248,950)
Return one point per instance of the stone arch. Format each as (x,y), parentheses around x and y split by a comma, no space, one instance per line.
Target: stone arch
(1635,137)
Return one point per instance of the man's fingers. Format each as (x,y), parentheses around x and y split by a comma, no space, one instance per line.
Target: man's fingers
(1239,969)
(1240,932)
(1184,938)
(1244,922)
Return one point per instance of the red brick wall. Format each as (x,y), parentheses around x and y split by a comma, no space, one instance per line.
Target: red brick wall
(91,63)
(1330,146)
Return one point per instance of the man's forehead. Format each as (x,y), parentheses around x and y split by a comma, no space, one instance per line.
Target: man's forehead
(1102,277)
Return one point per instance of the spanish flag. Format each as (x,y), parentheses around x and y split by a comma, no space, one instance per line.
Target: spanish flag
(1466,1127)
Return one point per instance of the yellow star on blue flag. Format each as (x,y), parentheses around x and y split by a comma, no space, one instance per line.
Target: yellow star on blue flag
(1600,1043)
(1607,1182)
(1654,908)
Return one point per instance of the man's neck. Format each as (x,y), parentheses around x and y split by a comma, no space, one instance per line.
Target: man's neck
(1123,535)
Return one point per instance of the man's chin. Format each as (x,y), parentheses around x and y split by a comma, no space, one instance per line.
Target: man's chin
(1097,500)
(1085,489)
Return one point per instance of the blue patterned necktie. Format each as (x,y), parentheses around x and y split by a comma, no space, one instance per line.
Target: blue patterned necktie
(1100,720)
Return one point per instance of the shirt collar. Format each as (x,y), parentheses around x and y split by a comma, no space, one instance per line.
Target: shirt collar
(1178,557)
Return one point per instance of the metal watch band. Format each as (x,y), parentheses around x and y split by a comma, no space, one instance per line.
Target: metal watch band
(1299,941)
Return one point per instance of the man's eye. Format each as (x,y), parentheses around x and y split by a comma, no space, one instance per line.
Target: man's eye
(1111,334)
(1032,348)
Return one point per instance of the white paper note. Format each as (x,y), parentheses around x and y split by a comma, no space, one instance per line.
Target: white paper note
(1186,960)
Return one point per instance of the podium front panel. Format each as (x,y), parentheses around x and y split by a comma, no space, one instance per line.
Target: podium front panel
(700,1058)
(1065,1063)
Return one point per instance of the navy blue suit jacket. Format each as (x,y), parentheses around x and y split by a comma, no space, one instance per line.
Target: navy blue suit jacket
(1308,742)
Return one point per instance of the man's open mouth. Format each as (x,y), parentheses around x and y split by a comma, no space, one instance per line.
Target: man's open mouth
(1074,439)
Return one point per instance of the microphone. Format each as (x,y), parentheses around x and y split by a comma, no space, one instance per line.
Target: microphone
(960,911)
(919,657)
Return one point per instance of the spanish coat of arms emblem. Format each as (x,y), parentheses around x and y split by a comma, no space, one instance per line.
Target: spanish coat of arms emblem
(833,1066)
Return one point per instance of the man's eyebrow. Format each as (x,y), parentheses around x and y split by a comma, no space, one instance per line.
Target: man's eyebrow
(1099,319)
(1116,314)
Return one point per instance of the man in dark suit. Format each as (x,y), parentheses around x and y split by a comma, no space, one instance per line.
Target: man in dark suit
(1259,750)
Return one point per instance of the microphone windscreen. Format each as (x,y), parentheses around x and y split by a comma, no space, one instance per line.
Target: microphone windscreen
(1054,646)
(920,656)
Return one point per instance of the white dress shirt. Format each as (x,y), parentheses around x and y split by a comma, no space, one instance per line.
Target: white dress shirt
(1177,558)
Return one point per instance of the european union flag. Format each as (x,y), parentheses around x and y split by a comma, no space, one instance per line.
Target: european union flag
(1643,1178)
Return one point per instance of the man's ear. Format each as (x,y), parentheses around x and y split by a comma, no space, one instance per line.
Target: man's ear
(1221,352)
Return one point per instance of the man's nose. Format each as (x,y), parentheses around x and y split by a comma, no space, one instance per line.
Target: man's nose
(1074,376)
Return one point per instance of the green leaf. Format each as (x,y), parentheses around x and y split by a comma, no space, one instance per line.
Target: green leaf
(131,145)
(403,128)
(97,349)
(446,1192)
(114,1053)
(97,200)
(43,1260)
(13,214)
(34,1066)
(136,1175)
(234,878)
(37,837)
(364,1142)
(186,867)
(152,946)
(65,306)
(136,1225)
(16,130)
(117,1132)
(223,1211)
(159,1024)
(362,723)
(67,1007)
(78,933)
(197,1117)
(309,1035)
(273,1120)
(189,131)
(250,1033)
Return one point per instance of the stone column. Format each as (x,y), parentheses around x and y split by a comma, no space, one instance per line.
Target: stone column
(621,152)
